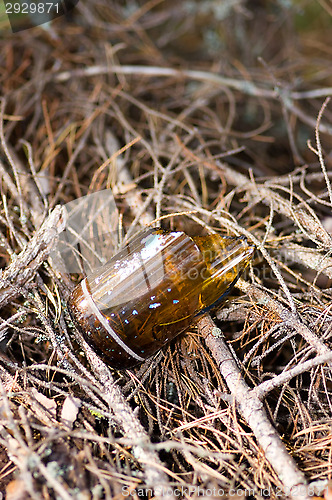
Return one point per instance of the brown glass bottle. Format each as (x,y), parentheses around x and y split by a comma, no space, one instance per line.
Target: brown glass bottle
(152,289)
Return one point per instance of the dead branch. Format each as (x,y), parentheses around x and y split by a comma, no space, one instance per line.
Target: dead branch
(252,410)
(24,267)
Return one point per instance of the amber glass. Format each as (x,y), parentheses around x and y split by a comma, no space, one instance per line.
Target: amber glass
(151,290)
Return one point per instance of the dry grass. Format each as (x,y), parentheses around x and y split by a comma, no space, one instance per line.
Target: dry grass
(218,107)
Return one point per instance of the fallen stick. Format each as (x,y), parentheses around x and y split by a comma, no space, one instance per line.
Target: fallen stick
(252,410)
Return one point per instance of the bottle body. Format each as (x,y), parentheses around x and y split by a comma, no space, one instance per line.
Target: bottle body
(151,290)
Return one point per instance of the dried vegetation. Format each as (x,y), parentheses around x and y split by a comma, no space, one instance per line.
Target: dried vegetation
(208,107)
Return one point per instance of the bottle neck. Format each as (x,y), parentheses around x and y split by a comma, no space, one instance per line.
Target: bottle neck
(225,259)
